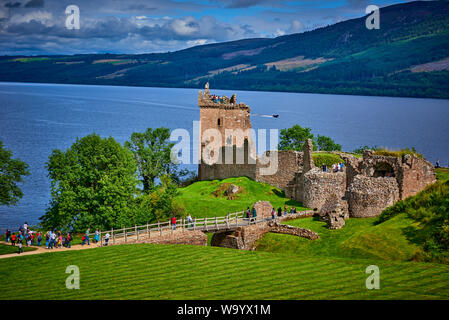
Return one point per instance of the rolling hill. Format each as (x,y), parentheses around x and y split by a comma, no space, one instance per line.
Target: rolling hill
(407,56)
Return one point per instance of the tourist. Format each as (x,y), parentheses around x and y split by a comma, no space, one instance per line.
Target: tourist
(25,228)
(324,167)
(247,213)
(52,239)
(189,220)
(47,239)
(39,239)
(294,209)
(437,165)
(68,240)
(279,212)
(19,243)
(97,236)
(87,236)
(254,214)
(7,235)
(60,243)
(341,166)
(13,239)
(28,239)
(285,210)
(173,223)
(273,214)
(106,239)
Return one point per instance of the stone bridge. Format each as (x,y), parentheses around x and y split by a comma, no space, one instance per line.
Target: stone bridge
(231,231)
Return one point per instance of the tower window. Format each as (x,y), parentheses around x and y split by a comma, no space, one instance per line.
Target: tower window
(219,122)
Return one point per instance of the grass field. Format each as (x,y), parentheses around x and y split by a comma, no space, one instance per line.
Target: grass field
(200,200)
(359,239)
(442,174)
(7,249)
(185,272)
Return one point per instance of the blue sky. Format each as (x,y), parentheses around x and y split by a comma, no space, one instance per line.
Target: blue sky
(33,27)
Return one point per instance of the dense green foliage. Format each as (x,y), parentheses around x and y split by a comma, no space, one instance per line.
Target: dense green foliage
(362,149)
(355,60)
(191,272)
(294,138)
(429,209)
(11,173)
(324,143)
(151,150)
(206,198)
(328,158)
(92,184)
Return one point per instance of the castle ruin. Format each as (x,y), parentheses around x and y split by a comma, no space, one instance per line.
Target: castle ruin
(364,188)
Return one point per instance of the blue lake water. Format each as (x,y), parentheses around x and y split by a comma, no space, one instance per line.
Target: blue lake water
(37,118)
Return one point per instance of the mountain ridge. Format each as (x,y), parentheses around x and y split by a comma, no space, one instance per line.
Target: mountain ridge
(405,57)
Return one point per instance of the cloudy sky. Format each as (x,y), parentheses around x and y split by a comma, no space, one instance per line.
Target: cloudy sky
(31,27)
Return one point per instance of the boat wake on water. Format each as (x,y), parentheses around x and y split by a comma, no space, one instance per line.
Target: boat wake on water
(266,115)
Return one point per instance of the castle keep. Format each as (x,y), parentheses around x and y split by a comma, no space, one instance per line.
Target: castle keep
(365,188)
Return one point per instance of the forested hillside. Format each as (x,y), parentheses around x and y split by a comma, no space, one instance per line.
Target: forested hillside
(407,56)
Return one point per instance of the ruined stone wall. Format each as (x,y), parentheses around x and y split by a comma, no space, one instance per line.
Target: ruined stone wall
(289,164)
(416,174)
(318,185)
(275,227)
(177,237)
(263,208)
(237,168)
(369,196)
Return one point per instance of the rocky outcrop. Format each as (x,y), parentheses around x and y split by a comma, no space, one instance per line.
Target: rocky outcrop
(263,208)
(334,212)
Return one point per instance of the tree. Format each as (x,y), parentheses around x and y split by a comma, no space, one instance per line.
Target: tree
(327,144)
(294,138)
(152,151)
(11,172)
(92,185)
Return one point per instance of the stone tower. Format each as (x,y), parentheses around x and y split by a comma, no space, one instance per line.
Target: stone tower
(229,118)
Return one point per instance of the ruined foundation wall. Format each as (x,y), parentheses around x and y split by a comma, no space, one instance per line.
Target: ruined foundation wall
(416,174)
(369,196)
(318,185)
(289,164)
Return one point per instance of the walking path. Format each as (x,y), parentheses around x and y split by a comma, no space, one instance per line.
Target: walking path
(40,250)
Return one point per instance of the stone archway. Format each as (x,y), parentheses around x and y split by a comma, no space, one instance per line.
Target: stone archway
(383,169)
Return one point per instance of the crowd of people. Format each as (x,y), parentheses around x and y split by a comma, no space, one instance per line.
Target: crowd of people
(53,238)
(336,167)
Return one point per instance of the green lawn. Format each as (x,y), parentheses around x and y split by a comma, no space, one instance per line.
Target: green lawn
(186,272)
(200,201)
(7,249)
(358,239)
(442,174)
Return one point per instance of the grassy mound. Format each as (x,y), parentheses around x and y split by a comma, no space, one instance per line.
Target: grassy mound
(186,272)
(396,153)
(328,158)
(359,239)
(205,198)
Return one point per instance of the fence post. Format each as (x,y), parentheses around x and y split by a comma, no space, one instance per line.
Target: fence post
(194,224)
(236,220)
(137,232)
(124,231)
(113,238)
(101,239)
(159,227)
(216,223)
(205,223)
